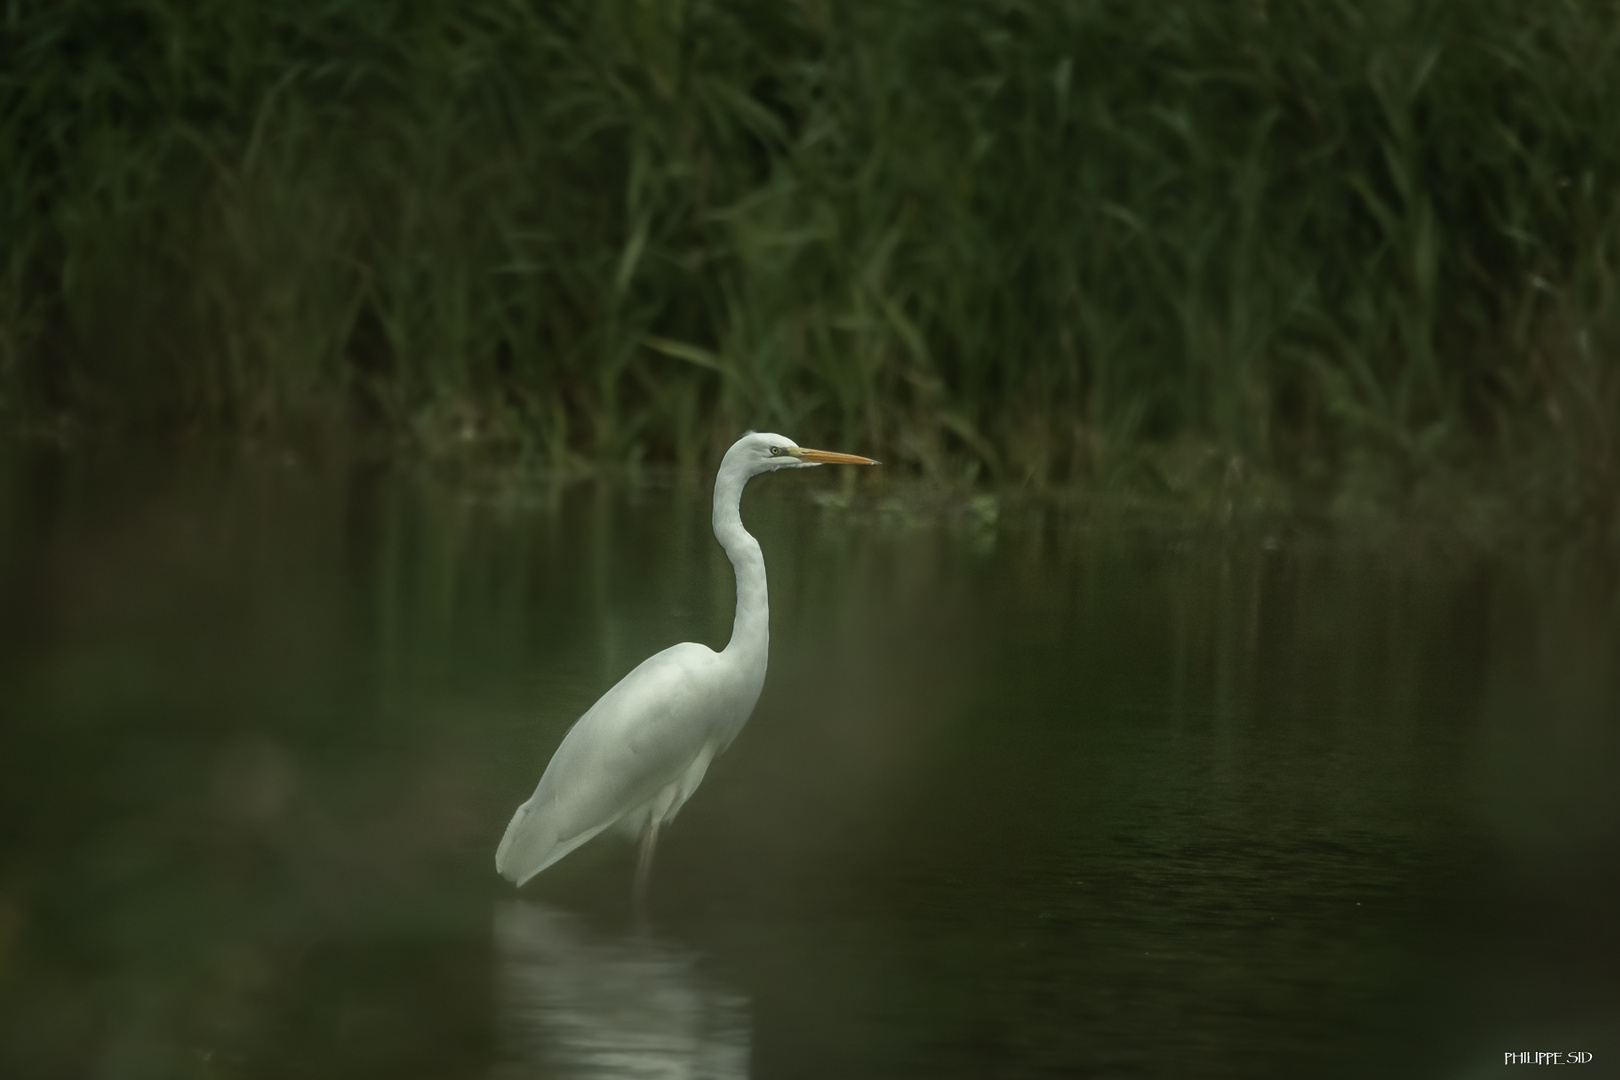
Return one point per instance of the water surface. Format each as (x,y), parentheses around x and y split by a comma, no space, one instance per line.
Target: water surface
(1028,793)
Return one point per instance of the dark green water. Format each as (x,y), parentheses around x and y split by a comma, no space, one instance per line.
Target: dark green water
(1036,796)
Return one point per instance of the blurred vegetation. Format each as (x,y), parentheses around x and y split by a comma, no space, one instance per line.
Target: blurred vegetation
(1355,246)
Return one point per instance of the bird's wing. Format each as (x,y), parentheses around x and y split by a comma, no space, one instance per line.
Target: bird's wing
(637,739)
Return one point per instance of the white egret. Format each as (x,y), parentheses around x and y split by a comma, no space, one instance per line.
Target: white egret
(637,755)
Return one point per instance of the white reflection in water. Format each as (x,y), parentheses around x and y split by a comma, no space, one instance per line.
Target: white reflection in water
(574,1003)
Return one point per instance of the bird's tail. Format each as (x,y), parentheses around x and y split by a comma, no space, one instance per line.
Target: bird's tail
(531,844)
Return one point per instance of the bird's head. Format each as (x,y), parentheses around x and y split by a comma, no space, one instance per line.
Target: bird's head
(762,452)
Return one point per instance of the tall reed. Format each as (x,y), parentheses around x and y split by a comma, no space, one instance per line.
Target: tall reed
(1024,241)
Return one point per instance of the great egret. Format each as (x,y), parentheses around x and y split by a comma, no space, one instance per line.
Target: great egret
(637,755)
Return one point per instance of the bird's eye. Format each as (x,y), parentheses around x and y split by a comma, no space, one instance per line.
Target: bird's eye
(775,450)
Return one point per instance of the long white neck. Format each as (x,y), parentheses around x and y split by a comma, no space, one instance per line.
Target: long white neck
(751,628)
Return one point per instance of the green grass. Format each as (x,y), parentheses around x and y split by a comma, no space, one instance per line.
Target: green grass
(1357,245)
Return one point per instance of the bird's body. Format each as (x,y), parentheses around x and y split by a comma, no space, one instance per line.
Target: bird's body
(640,752)
(635,757)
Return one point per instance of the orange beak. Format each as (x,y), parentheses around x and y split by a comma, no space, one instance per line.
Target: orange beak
(829,457)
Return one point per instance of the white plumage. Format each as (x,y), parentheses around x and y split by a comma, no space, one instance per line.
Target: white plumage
(637,755)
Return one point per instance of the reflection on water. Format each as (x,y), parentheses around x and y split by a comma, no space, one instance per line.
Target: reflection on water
(577,1004)
(1037,794)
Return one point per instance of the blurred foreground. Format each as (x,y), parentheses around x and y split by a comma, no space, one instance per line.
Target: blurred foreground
(1041,794)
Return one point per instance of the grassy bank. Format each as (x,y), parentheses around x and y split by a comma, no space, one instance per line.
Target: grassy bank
(1352,245)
